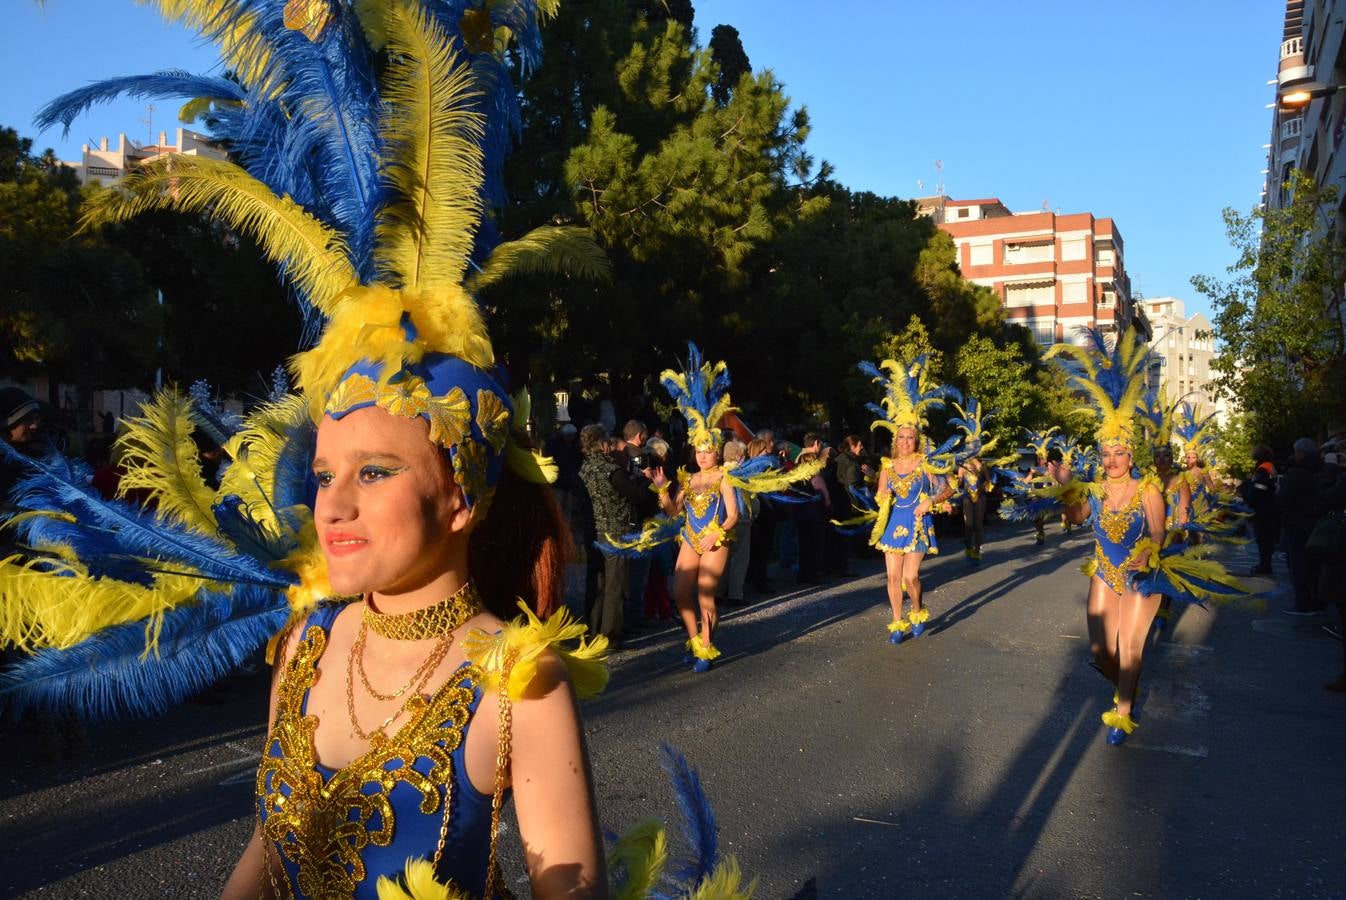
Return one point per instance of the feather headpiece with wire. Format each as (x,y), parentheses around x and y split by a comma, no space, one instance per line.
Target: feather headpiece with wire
(1193,429)
(701,391)
(908,393)
(1038,443)
(1114,380)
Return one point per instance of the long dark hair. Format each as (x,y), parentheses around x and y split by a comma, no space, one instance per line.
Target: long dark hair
(520,550)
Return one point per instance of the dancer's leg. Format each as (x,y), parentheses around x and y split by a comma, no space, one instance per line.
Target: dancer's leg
(1137,612)
(1103,625)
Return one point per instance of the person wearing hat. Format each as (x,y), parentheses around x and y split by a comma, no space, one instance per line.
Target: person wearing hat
(23,429)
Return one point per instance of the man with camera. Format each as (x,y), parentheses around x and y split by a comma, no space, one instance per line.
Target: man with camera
(636,478)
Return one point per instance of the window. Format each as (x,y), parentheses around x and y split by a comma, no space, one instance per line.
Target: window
(1072,249)
(1020,253)
(981,255)
(1074,292)
(1107,299)
(1041,293)
(1104,256)
(963,212)
(1044,331)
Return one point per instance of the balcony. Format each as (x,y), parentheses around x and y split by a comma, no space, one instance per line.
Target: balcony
(1292,128)
(1292,47)
(1292,61)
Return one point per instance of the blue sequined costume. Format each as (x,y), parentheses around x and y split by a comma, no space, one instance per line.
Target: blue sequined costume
(1115,537)
(703,508)
(902,531)
(337,831)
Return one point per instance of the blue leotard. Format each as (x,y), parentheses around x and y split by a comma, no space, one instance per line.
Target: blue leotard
(702,507)
(337,831)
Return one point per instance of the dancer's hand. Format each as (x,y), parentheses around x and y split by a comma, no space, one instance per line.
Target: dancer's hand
(1140,562)
(922,508)
(658,477)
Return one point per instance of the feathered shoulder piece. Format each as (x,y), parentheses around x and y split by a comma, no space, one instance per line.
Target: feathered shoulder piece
(701,392)
(520,644)
(909,393)
(1113,378)
(765,475)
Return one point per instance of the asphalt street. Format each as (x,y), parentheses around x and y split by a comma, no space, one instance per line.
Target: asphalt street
(968,762)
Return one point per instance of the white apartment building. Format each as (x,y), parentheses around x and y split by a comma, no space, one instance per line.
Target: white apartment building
(1184,349)
(104,164)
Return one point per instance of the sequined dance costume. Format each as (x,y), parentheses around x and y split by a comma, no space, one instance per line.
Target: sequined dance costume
(1116,534)
(704,508)
(902,530)
(337,831)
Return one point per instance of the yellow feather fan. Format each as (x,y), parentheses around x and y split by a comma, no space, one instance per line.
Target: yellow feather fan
(161,459)
(418,883)
(642,852)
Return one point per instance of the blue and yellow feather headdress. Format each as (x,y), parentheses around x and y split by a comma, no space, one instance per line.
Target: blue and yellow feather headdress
(1114,380)
(908,393)
(366,141)
(1192,429)
(701,392)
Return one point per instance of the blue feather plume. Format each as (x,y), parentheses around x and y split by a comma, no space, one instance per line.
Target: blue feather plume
(171,83)
(110,676)
(698,820)
(122,531)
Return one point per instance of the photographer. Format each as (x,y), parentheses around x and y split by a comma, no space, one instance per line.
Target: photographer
(634,483)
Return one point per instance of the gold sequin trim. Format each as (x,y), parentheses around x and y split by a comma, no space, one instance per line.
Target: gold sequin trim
(324,826)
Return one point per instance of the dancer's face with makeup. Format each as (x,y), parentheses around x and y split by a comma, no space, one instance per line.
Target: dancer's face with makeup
(389,517)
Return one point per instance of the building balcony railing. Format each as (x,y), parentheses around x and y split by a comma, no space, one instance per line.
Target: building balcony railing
(1292,128)
(1292,47)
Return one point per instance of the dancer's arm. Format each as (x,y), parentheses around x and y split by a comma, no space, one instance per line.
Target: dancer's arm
(1152,501)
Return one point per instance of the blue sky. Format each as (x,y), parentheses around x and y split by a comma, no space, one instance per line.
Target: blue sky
(1150,112)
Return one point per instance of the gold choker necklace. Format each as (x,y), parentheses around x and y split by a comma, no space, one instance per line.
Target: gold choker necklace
(428,622)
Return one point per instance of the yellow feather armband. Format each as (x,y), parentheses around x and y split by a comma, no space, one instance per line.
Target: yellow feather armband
(526,639)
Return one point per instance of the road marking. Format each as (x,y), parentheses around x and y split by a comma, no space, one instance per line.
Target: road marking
(875,821)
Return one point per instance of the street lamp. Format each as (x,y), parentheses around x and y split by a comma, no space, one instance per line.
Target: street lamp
(1296,93)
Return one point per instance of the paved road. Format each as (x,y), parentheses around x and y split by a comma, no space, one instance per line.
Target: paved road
(969,762)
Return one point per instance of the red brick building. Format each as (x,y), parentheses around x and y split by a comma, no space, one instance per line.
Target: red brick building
(1053,272)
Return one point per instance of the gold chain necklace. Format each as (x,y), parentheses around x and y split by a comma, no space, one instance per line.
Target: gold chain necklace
(440,620)
(428,622)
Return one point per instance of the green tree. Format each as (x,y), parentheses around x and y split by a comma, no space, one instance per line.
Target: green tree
(75,308)
(1277,318)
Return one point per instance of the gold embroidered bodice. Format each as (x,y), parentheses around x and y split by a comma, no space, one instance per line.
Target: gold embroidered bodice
(324,825)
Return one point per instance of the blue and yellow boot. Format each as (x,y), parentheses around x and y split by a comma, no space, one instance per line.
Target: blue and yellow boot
(705,655)
(918,619)
(1119,726)
(897,630)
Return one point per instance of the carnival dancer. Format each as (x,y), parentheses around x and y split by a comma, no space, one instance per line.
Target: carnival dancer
(1039,445)
(912,480)
(1134,561)
(1177,495)
(703,508)
(975,476)
(432,524)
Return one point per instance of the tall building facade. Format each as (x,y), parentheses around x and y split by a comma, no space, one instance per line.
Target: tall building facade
(1183,349)
(1052,272)
(1309,137)
(105,164)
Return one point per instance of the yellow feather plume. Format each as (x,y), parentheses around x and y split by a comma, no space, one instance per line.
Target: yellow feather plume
(418,883)
(256,451)
(309,562)
(642,852)
(565,250)
(161,459)
(242,48)
(526,639)
(531,465)
(773,480)
(437,162)
(62,604)
(881,518)
(313,254)
(366,324)
(725,883)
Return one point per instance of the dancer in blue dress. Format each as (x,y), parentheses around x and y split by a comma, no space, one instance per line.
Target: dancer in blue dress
(912,480)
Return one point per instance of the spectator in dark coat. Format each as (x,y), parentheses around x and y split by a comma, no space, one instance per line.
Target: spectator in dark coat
(1296,502)
(1259,492)
(1332,578)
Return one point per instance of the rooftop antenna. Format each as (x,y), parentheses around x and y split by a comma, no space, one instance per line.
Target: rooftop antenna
(149,122)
